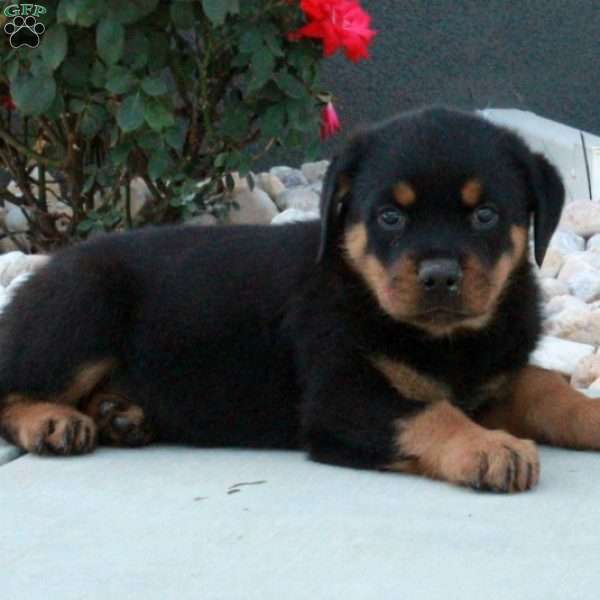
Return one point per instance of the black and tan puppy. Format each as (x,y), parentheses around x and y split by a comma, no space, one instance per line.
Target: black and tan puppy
(393,335)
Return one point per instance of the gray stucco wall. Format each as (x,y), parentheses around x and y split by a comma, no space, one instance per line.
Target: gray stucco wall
(536,55)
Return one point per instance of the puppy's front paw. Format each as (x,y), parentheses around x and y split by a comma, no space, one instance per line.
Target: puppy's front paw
(46,428)
(492,460)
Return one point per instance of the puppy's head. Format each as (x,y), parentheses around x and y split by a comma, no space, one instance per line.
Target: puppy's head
(432,210)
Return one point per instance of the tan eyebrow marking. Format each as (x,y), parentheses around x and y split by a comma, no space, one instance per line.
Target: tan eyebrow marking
(471,192)
(404,194)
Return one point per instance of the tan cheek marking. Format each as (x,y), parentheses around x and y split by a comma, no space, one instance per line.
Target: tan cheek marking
(404,194)
(482,291)
(411,384)
(471,192)
(393,300)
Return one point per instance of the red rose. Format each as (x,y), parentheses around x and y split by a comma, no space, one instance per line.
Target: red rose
(340,24)
(7,102)
(330,122)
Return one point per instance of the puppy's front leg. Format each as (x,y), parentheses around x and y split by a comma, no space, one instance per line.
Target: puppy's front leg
(544,407)
(443,443)
(353,416)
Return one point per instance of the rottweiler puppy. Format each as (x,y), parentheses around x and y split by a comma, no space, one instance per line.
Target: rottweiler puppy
(393,334)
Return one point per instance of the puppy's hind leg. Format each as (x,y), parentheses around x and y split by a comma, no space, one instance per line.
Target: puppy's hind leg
(52,424)
(61,336)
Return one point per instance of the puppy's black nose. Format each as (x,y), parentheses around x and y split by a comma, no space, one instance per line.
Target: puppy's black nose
(441,276)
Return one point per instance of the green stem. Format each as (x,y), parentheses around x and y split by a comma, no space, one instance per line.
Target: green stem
(14,143)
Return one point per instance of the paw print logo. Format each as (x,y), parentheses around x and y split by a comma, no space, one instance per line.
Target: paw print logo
(24,31)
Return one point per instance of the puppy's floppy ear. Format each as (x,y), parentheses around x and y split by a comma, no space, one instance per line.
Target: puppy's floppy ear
(547,202)
(336,190)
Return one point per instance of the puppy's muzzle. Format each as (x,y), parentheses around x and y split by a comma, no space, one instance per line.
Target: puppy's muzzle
(440,281)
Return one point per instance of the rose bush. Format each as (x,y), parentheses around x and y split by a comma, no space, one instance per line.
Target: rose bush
(172,92)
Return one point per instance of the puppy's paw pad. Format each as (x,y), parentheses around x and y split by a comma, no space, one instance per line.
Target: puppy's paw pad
(121,423)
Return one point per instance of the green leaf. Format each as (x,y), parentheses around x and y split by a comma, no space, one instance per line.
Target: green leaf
(89,182)
(33,95)
(76,72)
(67,11)
(263,63)
(154,86)
(98,74)
(290,85)
(89,12)
(119,79)
(159,42)
(150,140)
(217,10)
(86,226)
(77,106)
(131,113)
(229,182)
(56,108)
(272,121)
(13,69)
(176,135)
(235,123)
(157,114)
(118,154)
(109,40)
(158,164)
(251,41)
(137,50)
(130,12)
(54,46)
(273,41)
(93,119)
(182,15)
(313,150)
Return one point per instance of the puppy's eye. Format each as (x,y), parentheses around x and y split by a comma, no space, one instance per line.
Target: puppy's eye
(484,217)
(390,218)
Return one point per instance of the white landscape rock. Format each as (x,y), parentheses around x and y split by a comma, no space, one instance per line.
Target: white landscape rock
(593,243)
(581,217)
(15,263)
(585,285)
(576,263)
(300,198)
(578,325)
(559,355)
(315,171)
(271,184)
(567,242)
(553,261)
(552,287)
(205,219)
(565,302)
(256,207)
(587,371)
(293,215)
(289,177)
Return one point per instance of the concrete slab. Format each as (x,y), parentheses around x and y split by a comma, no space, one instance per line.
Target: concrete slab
(8,452)
(163,523)
(561,144)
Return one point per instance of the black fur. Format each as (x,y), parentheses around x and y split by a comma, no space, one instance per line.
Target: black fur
(237,336)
